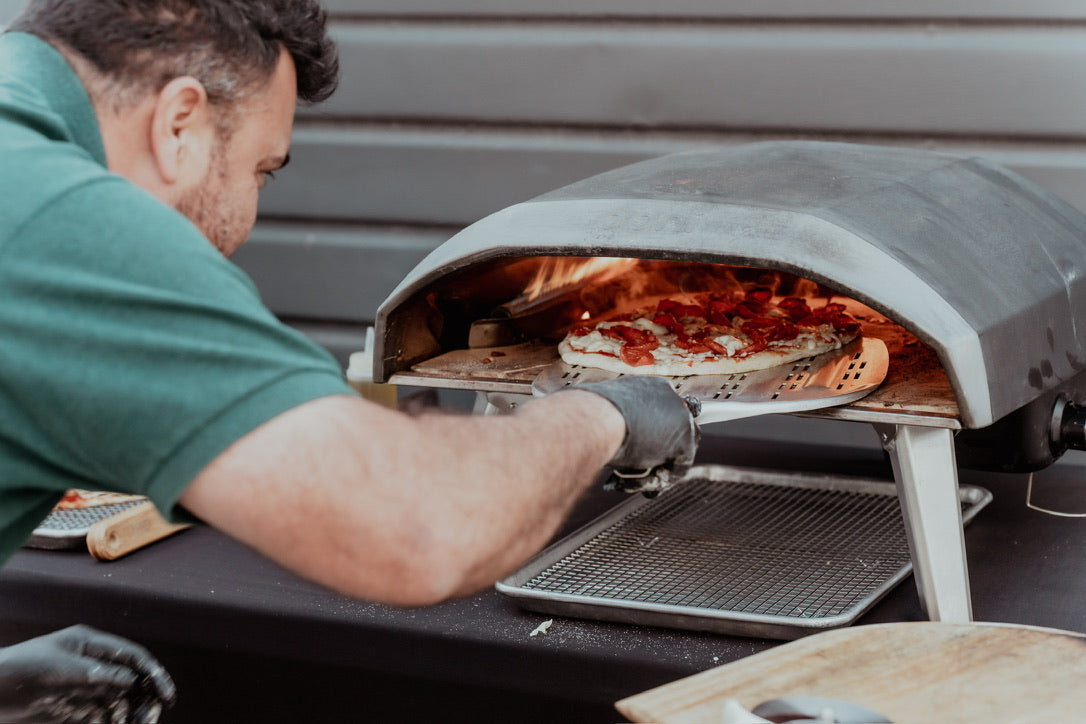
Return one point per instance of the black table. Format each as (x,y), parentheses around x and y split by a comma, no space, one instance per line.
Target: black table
(247,641)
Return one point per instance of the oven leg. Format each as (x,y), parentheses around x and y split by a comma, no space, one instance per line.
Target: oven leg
(497,403)
(927,484)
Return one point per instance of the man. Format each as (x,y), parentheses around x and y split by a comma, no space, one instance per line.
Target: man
(135,357)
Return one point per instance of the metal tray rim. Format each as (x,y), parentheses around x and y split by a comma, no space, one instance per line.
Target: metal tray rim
(714,620)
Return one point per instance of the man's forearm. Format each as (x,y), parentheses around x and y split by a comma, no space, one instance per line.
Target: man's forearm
(407,510)
(548,453)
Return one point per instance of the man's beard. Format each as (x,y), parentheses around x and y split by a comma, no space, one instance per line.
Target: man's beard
(205,207)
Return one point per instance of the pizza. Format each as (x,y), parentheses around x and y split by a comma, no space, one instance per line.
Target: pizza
(75,499)
(710,334)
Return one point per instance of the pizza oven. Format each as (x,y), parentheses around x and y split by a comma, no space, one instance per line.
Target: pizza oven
(973,277)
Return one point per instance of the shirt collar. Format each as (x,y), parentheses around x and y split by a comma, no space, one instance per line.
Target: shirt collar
(39,66)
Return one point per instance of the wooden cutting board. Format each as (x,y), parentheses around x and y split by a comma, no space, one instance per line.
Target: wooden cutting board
(912,673)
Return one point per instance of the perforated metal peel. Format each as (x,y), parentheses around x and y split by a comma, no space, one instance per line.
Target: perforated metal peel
(67,528)
(825,380)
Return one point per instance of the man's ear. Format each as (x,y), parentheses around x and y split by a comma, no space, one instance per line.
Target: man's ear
(182,129)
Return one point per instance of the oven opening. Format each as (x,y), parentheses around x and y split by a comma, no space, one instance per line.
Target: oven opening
(495,326)
(570,291)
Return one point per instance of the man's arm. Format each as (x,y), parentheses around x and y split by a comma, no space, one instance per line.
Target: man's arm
(407,510)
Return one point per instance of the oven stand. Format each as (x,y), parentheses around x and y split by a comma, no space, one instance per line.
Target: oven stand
(926,474)
(927,481)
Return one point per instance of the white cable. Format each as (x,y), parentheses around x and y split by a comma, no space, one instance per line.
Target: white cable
(1031,506)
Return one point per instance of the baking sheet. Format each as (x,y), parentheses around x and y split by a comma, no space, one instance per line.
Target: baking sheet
(732,550)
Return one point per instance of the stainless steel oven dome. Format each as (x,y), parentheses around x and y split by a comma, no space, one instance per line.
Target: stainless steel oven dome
(983,265)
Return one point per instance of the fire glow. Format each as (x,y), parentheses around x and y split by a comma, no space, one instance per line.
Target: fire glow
(562,272)
(600,288)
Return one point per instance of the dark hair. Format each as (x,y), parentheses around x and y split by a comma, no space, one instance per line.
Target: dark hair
(231,46)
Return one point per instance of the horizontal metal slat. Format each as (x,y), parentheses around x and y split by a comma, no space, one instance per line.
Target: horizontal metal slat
(9,9)
(921,78)
(330,273)
(717,9)
(454,177)
(446,177)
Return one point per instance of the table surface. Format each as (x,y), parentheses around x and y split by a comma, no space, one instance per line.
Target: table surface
(246,640)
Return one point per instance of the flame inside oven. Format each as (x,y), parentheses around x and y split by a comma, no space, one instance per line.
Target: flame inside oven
(557,293)
(558,273)
(587,288)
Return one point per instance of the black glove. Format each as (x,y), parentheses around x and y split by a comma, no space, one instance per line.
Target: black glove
(661,435)
(80,674)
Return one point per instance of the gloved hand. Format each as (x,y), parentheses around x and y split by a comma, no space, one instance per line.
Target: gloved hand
(661,435)
(80,674)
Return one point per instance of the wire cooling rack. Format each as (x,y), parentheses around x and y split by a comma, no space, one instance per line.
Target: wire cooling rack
(733,550)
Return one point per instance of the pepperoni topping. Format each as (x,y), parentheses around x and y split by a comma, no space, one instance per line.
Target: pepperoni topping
(716,347)
(756,346)
(795,308)
(632,336)
(749,308)
(691,344)
(701,342)
(680,310)
(666,319)
(844,324)
(759,296)
(833,315)
(720,312)
(637,356)
(769,329)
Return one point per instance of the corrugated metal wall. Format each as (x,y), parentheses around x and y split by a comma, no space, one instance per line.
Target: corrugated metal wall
(452,109)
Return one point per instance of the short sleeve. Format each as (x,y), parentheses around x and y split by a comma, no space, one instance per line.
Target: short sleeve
(133,353)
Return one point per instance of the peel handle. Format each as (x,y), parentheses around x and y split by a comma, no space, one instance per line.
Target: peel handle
(129,530)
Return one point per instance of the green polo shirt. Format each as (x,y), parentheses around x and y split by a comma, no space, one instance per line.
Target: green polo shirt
(131,352)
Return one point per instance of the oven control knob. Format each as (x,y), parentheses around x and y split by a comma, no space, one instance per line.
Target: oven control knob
(1072,429)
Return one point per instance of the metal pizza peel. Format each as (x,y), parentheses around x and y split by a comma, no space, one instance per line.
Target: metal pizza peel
(826,380)
(106,531)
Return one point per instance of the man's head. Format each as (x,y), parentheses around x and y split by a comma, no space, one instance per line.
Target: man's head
(195,98)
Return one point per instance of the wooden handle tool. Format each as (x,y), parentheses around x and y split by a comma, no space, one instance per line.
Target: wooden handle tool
(129,530)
